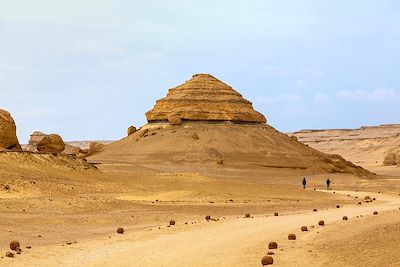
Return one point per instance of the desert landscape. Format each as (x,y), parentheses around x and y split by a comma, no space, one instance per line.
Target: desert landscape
(206,182)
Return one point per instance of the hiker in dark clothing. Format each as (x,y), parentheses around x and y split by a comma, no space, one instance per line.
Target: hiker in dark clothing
(304,183)
(328,183)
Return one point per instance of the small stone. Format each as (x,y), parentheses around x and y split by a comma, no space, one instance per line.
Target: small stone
(345,218)
(314,210)
(337,206)
(267,260)
(322,223)
(273,245)
(375,213)
(276,214)
(18,250)
(9,254)
(208,217)
(120,230)
(292,237)
(247,215)
(270,253)
(28,247)
(14,245)
(171,222)
(304,229)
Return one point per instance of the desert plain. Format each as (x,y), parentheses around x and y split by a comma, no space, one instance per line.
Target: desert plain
(230,183)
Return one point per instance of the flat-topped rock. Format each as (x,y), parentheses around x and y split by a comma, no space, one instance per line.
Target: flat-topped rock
(8,136)
(204,98)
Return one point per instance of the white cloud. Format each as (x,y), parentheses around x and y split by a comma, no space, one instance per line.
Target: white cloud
(321,99)
(291,98)
(379,95)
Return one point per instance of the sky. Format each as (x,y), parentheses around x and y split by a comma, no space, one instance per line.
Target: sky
(88,69)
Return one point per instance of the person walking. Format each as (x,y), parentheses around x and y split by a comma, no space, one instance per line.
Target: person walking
(328,184)
(304,183)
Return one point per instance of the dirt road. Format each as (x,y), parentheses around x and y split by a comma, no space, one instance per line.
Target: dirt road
(228,242)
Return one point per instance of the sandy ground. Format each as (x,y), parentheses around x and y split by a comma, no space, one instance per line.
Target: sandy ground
(227,242)
(68,212)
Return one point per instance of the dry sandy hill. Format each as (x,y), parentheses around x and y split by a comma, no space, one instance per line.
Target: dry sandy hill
(366,146)
(204,125)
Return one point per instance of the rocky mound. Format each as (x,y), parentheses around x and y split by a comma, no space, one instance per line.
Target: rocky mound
(390,159)
(204,98)
(8,136)
(46,143)
(209,137)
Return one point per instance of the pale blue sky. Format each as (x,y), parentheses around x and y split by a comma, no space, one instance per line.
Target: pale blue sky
(87,69)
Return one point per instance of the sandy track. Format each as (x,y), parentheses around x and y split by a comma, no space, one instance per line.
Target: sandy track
(230,242)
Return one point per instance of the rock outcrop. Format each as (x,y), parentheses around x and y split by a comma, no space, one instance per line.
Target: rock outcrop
(204,98)
(390,159)
(131,130)
(46,143)
(8,136)
(398,159)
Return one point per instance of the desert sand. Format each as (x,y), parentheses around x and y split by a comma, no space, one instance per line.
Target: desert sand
(221,161)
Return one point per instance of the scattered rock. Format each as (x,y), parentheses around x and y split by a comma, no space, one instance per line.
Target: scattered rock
(174,119)
(195,136)
(14,245)
(267,260)
(375,213)
(131,130)
(276,214)
(9,254)
(292,237)
(18,250)
(314,210)
(171,222)
(273,245)
(322,223)
(247,215)
(304,229)
(390,159)
(120,230)
(208,217)
(337,206)
(345,218)
(270,253)
(28,247)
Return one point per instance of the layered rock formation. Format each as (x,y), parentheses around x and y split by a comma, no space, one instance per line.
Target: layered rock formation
(46,143)
(390,159)
(204,124)
(204,98)
(8,136)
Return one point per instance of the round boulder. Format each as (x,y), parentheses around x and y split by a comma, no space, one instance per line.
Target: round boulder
(120,230)
(375,213)
(247,215)
(171,222)
(322,223)
(304,229)
(345,218)
(14,245)
(276,214)
(273,245)
(292,237)
(267,260)
(131,130)
(52,143)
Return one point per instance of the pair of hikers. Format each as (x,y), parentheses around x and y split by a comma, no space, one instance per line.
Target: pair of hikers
(328,183)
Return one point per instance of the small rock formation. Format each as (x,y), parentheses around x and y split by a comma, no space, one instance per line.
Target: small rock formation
(375,213)
(321,223)
(390,159)
(131,130)
(95,147)
(8,136)
(9,254)
(171,222)
(208,217)
(314,210)
(292,237)
(304,229)
(247,215)
(276,214)
(52,143)
(267,260)
(120,230)
(46,143)
(14,245)
(272,245)
(345,218)
(203,98)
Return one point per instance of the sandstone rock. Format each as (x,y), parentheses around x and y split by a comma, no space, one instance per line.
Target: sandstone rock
(322,223)
(95,147)
(270,253)
(204,98)
(14,245)
(171,222)
(208,217)
(52,143)
(276,214)
(292,237)
(390,159)
(18,250)
(8,136)
(272,245)
(345,218)
(247,215)
(304,229)
(174,119)
(9,254)
(375,213)
(267,260)
(131,130)
(120,230)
